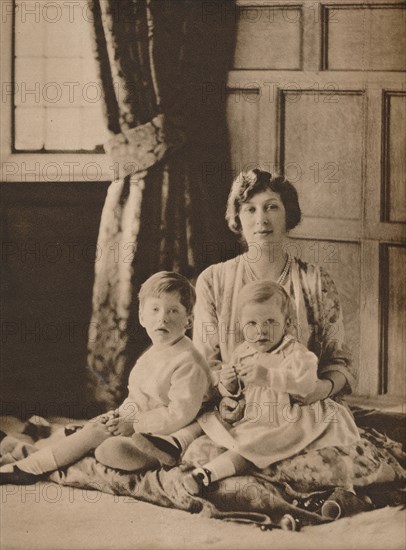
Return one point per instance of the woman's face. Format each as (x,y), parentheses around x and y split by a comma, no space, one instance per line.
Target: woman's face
(263,218)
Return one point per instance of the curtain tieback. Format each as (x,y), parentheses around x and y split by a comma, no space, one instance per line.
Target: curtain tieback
(139,148)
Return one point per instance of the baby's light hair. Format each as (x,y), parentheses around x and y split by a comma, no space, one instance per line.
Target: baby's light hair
(260,291)
(166,282)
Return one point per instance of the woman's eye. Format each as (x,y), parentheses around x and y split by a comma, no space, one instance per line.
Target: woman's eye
(272,207)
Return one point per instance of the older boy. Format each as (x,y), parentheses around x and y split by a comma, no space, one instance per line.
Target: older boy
(167,387)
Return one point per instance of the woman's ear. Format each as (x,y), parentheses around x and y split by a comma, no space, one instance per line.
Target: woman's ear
(141,317)
(189,323)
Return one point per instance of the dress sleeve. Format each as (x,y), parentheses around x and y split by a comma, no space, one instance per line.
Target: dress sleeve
(297,374)
(205,326)
(334,354)
(189,385)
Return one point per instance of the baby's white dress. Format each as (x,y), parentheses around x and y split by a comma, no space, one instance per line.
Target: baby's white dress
(273,426)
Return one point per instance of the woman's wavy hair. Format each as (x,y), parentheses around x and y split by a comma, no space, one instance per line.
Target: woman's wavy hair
(248,184)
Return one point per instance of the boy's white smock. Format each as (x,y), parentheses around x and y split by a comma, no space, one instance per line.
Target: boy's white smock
(166,388)
(273,428)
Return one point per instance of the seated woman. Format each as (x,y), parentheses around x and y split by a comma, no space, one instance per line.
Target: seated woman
(262,210)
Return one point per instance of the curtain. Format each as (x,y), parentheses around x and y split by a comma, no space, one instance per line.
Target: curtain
(167,146)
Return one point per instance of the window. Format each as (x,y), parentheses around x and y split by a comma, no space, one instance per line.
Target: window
(57,94)
(53,126)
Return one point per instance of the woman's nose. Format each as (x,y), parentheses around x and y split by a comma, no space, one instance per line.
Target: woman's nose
(262,218)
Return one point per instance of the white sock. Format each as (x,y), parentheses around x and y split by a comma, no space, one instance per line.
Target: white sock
(226,465)
(220,468)
(38,463)
(186,435)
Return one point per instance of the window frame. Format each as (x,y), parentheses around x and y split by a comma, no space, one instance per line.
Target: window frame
(35,166)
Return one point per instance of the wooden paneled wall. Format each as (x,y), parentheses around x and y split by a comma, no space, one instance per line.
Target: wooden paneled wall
(318,92)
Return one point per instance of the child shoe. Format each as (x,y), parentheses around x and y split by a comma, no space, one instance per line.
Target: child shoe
(72,428)
(19,477)
(157,447)
(194,481)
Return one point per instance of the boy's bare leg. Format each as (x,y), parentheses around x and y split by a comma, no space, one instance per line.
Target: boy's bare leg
(63,452)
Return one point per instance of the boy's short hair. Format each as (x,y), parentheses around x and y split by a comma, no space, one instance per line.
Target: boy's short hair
(165,282)
(260,291)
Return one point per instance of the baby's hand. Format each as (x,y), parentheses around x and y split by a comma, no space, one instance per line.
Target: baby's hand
(228,377)
(231,410)
(254,374)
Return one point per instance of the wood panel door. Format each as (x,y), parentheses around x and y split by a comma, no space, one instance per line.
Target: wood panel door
(318,91)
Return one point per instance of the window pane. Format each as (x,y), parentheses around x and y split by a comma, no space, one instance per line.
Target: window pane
(63,128)
(29,81)
(29,128)
(93,119)
(29,34)
(63,36)
(63,85)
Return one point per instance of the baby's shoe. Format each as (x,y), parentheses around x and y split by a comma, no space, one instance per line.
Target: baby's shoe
(194,481)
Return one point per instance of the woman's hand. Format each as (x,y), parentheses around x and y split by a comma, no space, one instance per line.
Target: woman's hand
(228,377)
(254,374)
(322,391)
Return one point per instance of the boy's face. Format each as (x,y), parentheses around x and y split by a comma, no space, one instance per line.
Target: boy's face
(263,324)
(164,318)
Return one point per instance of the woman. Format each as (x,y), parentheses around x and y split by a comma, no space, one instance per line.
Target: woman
(262,209)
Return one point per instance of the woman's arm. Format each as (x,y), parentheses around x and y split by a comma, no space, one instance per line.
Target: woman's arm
(325,387)
(335,371)
(335,358)
(205,326)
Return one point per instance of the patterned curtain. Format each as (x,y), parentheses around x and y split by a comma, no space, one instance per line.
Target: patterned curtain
(168,145)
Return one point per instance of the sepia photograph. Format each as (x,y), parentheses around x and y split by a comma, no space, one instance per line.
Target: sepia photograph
(203,250)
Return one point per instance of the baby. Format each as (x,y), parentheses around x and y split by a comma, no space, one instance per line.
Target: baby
(265,371)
